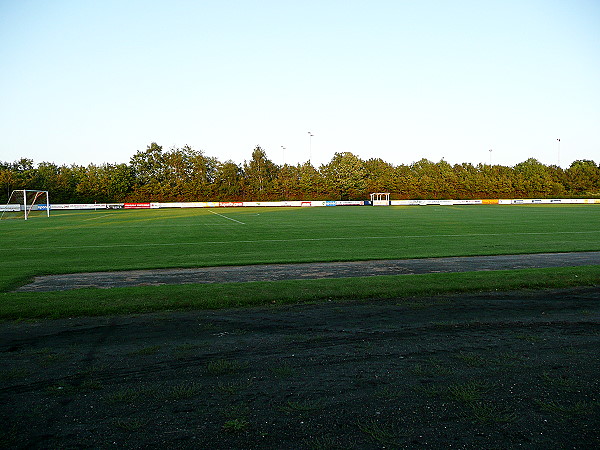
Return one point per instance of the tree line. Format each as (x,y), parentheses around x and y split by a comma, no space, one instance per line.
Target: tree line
(185,174)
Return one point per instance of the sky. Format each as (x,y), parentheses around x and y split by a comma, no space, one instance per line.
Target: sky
(85,81)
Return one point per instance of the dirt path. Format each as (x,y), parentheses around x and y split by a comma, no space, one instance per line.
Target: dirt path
(501,370)
(271,272)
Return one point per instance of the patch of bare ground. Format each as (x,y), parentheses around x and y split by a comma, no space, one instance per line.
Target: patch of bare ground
(498,370)
(274,272)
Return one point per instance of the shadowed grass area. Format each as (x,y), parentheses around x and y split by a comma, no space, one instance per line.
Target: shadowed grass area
(95,302)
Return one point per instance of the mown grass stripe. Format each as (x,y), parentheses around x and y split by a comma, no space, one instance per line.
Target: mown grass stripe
(98,302)
(346,238)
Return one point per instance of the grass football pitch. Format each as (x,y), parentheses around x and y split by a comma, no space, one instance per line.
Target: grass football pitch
(89,241)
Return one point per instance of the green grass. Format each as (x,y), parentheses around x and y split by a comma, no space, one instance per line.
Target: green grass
(184,390)
(301,406)
(491,413)
(130,424)
(94,302)
(225,367)
(234,388)
(151,350)
(568,410)
(119,240)
(283,371)
(386,434)
(125,396)
(236,425)
(468,392)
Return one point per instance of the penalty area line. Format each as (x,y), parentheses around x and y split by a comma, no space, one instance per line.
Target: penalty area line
(225,217)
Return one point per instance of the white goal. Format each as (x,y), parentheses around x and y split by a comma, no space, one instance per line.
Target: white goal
(26,203)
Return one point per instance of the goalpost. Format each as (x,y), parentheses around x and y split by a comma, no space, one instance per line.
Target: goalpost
(22,202)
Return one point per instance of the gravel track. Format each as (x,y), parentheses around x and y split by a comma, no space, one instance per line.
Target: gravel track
(273,272)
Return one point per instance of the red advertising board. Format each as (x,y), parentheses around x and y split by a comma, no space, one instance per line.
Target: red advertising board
(227,204)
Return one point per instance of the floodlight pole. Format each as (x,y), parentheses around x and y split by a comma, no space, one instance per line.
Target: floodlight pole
(490,156)
(283,153)
(310,135)
(558,152)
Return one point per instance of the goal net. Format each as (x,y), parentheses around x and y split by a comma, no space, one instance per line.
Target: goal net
(26,204)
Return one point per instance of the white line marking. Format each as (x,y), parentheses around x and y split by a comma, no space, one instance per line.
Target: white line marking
(257,241)
(97,217)
(225,217)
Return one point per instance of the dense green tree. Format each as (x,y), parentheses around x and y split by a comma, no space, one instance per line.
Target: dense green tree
(404,183)
(105,183)
(286,185)
(227,184)
(148,170)
(7,183)
(380,175)
(583,177)
(425,176)
(345,177)
(534,179)
(259,174)
(311,183)
(185,174)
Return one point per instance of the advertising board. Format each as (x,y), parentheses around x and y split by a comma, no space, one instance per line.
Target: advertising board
(421,202)
(294,203)
(402,202)
(10,208)
(274,204)
(81,206)
(349,203)
(473,202)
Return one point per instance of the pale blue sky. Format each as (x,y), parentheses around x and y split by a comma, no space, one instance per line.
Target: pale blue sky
(94,81)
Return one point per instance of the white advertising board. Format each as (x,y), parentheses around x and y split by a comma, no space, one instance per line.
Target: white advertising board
(349,203)
(11,208)
(79,206)
(467,202)
(273,204)
(549,201)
